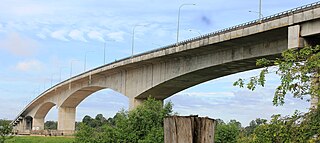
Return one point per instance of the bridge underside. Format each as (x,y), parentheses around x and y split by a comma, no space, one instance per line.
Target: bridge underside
(225,58)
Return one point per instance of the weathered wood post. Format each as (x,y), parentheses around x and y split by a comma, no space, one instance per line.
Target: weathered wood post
(189,129)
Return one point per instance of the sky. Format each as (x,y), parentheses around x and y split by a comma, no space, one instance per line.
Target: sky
(44,42)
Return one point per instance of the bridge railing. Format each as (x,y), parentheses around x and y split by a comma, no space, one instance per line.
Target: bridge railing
(236,27)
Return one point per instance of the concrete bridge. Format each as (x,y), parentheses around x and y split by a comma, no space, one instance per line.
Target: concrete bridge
(163,72)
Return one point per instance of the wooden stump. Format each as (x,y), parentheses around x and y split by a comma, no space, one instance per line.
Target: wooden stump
(189,129)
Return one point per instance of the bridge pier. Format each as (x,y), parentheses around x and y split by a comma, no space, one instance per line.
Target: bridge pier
(66,120)
(294,37)
(21,126)
(133,102)
(38,124)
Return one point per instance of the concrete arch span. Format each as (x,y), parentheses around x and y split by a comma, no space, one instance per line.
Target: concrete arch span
(217,61)
(74,99)
(40,114)
(67,108)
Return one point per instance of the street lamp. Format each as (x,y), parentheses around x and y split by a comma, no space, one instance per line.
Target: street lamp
(260,11)
(134,28)
(260,14)
(192,30)
(179,20)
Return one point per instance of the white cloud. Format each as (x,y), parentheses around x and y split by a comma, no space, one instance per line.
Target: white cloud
(60,35)
(77,35)
(19,45)
(41,35)
(95,35)
(30,65)
(117,36)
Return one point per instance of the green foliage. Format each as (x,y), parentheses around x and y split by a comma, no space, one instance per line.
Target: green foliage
(50,125)
(85,134)
(141,125)
(296,69)
(299,72)
(297,128)
(5,130)
(98,121)
(227,133)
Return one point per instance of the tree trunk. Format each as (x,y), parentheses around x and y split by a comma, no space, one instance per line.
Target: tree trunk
(189,129)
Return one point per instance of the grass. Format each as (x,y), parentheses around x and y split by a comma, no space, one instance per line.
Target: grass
(40,139)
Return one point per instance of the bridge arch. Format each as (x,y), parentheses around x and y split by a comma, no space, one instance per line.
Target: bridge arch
(40,114)
(75,98)
(67,107)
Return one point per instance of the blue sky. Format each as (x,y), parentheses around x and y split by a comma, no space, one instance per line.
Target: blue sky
(40,39)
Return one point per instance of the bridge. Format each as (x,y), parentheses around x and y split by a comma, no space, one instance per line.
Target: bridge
(165,71)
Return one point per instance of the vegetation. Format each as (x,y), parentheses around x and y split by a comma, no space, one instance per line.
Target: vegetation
(5,130)
(299,70)
(227,133)
(141,125)
(50,125)
(40,139)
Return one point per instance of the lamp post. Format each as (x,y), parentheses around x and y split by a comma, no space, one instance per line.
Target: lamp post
(133,30)
(192,30)
(179,20)
(260,14)
(260,11)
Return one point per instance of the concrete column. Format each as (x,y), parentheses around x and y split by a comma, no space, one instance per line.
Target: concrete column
(294,38)
(38,124)
(66,119)
(133,102)
(20,126)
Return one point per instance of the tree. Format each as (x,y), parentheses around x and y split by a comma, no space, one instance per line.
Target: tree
(227,133)
(141,125)
(50,125)
(299,70)
(5,130)
(296,128)
(100,120)
(253,125)
(85,134)
(87,120)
